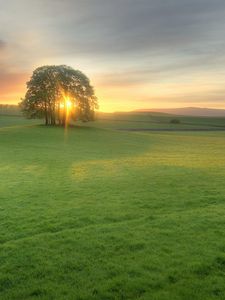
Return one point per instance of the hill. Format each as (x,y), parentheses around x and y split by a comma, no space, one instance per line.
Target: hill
(189,111)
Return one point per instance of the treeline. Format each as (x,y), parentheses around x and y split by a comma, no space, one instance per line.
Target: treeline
(10,109)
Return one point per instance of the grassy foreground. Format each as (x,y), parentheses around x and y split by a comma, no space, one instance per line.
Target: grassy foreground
(102,214)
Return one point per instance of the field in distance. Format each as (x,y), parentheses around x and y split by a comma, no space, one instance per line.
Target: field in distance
(130,121)
(154,120)
(94,213)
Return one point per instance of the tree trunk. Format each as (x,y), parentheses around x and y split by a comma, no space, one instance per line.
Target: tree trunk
(46,115)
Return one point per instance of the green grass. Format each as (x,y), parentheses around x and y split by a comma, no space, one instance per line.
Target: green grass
(16,121)
(103,214)
(154,120)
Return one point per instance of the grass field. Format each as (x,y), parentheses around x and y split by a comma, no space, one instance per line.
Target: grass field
(155,120)
(16,121)
(101,214)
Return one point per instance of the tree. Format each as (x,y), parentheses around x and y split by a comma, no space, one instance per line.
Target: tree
(58,93)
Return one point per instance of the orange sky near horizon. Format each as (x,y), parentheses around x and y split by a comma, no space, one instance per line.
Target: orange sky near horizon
(128,97)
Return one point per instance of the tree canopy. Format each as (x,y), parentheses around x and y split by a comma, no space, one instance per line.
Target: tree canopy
(57,93)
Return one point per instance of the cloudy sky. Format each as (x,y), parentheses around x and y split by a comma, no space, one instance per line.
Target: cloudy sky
(137,53)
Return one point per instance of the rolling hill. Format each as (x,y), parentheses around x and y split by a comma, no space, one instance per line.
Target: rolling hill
(189,111)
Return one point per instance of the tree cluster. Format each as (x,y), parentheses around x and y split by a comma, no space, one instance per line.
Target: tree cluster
(52,88)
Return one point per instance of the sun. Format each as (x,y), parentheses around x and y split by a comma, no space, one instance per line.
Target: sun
(68,103)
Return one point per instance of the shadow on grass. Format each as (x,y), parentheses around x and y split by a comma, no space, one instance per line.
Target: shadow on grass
(70,127)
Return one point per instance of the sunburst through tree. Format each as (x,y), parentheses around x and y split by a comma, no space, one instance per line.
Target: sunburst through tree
(58,94)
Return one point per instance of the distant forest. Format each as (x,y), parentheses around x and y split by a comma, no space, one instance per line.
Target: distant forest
(10,109)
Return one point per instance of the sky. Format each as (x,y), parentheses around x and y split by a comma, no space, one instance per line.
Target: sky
(138,54)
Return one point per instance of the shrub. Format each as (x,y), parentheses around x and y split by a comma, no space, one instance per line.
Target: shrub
(175,121)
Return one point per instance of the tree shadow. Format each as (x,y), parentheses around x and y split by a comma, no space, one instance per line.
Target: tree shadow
(70,127)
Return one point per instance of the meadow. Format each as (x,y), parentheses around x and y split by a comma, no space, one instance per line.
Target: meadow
(95,213)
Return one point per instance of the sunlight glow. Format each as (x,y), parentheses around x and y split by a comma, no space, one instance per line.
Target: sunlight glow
(68,104)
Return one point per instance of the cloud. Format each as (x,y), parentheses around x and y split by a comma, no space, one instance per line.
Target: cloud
(110,28)
(2,44)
